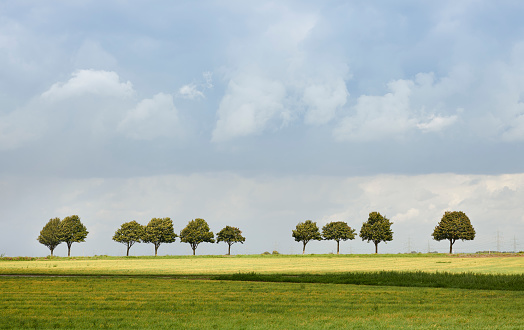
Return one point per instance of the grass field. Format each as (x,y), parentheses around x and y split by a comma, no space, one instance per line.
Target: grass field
(183,265)
(160,303)
(148,292)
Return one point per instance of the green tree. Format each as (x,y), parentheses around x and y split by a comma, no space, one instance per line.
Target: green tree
(338,231)
(230,235)
(305,232)
(196,232)
(72,231)
(453,226)
(50,234)
(377,229)
(129,233)
(158,231)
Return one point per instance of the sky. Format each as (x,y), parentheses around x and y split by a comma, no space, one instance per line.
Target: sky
(261,115)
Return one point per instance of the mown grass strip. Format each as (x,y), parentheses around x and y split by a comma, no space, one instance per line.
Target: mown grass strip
(394,278)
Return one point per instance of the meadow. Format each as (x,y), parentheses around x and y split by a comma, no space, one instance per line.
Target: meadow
(225,292)
(264,264)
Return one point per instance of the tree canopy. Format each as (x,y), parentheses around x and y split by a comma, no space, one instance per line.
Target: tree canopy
(158,231)
(305,232)
(72,231)
(377,229)
(50,234)
(453,226)
(338,231)
(196,232)
(230,235)
(129,233)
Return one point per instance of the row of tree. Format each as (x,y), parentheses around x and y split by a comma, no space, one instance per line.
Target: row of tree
(69,230)
(160,230)
(453,226)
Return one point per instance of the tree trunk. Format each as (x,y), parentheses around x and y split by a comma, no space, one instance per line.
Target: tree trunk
(451,246)
(51,252)
(304,248)
(229,250)
(156,249)
(376,247)
(338,244)
(69,249)
(128,247)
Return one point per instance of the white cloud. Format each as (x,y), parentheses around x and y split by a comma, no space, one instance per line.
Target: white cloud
(152,118)
(250,104)
(409,105)
(437,123)
(190,92)
(323,100)
(378,117)
(90,82)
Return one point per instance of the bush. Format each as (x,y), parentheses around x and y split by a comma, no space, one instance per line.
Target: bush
(275,252)
(266,253)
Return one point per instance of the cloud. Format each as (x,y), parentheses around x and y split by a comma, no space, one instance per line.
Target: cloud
(437,123)
(409,105)
(250,104)
(323,100)
(276,77)
(190,92)
(152,118)
(90,82)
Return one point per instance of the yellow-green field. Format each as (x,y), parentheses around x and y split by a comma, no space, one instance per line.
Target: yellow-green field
(265,265)
(165,303)
(449,291)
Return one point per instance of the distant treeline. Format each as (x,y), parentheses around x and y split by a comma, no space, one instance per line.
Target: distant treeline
(453,226)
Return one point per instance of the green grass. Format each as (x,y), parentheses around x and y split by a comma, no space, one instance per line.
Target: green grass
(153,302)
(471,281)
(259,292)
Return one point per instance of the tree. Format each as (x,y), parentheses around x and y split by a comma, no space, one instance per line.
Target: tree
(305,232)
(129,233)
(72,231)
(196,232)
(230,235)
(50,234)
(338,231)
(376,229)
(158,231)
(453,226)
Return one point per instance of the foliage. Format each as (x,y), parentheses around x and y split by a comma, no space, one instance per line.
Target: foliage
(50,234)
(377,229)
(196,232)
(230,235)
(453,226)
(72,231)
(305,232)
(129,233)
(158,231)
(338,231)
